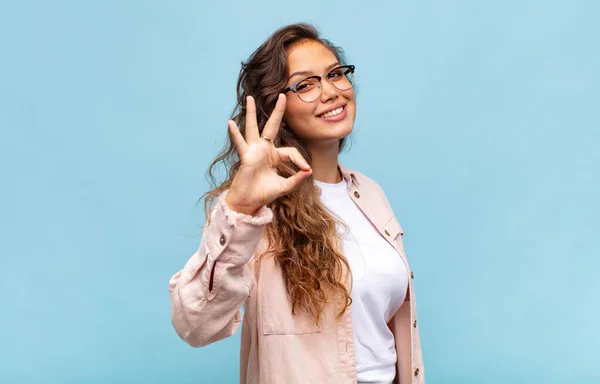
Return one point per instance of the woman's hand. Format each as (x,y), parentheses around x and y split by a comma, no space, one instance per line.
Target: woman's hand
(257,183)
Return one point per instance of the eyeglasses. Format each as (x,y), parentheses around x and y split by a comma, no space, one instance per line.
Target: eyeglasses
(310,89)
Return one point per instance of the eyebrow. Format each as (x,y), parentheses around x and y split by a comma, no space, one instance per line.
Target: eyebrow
(308,72)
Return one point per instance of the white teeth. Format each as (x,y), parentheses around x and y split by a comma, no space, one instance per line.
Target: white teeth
(333,113)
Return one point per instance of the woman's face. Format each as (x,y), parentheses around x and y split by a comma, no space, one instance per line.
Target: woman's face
(306,119)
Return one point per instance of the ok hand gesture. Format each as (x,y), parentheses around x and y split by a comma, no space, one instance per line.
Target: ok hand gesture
(257,182)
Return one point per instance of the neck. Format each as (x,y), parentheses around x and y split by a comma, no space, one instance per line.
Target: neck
(325,163)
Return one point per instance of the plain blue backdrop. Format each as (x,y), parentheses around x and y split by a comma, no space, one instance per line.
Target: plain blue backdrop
(480,120)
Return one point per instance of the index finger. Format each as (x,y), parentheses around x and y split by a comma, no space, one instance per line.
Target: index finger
(272,126)
(251,124)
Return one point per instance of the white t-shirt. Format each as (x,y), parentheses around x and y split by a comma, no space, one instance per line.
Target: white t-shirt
(379,283)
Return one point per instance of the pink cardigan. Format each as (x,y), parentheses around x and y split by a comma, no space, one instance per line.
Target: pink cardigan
(208,293)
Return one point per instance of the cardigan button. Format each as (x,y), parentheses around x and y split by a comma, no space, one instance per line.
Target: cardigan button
(356,194)
(415,324)
(386,232)
(417,372)
(412,275)
(222,240)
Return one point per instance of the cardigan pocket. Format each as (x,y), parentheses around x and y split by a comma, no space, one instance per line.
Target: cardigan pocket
(288,326)
(392,229)
(275,308)
(277,317)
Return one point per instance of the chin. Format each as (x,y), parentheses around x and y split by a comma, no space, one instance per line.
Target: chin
(338,132)
(346,131)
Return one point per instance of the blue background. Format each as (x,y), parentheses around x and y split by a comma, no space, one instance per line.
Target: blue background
(479,120)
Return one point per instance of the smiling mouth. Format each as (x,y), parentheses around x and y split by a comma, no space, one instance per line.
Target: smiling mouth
(333,113)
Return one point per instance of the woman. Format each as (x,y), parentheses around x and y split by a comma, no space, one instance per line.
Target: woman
(311,250)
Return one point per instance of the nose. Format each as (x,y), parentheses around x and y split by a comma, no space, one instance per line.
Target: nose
(328,91)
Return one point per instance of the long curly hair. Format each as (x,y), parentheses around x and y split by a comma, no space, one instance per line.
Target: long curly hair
(302,237)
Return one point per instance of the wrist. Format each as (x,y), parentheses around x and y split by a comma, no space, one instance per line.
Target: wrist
(239,208)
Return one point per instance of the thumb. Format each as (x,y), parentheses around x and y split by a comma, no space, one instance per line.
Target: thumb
(294,181)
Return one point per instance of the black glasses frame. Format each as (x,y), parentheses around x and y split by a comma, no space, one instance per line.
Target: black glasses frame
(294,87)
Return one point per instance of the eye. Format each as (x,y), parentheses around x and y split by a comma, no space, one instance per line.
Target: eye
(339,72)
(306,85)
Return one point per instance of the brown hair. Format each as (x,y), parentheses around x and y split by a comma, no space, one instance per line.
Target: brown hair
(302,236)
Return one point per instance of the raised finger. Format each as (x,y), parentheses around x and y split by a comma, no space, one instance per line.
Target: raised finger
(272,126)
(251,124)
(236,137)
(292,154)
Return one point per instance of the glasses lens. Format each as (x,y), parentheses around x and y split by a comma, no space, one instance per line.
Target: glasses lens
(309,89)
(342,78)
